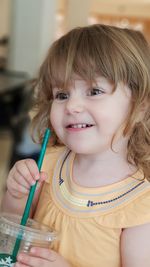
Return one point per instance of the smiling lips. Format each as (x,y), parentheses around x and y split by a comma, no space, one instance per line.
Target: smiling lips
(78,126)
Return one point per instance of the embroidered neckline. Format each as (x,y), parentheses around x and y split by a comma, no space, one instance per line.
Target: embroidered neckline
(72,199)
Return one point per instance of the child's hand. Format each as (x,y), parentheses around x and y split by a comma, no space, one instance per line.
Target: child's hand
(41,257)
(23,174)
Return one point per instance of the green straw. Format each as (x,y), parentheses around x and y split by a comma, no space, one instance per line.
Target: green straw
(31,193)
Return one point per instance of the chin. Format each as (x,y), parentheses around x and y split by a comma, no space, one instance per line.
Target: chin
(81,149)
(77,148)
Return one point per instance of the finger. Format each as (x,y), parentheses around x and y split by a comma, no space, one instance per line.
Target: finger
(14,187)
(19,179)
(29,260)
(22,167)
(44,253)
(43,176)
(17,183)
(33,168)
(18,264)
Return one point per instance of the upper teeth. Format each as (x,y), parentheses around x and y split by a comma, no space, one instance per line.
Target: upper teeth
(83,125)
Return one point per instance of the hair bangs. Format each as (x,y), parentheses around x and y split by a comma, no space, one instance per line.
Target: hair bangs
(87,57)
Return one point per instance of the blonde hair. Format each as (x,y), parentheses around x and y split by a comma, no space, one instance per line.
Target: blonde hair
(118,55)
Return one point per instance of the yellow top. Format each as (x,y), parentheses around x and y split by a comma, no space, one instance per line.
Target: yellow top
(90,220)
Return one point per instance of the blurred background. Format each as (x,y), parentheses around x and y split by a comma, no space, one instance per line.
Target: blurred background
(27,28)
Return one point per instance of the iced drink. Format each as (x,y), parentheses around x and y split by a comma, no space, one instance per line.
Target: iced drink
(33,234)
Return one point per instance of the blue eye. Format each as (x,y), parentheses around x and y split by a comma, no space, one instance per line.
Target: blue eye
(61,96)
(95,91)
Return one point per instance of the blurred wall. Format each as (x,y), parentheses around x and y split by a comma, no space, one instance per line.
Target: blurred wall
(32,30)
(34,24)
(4,25)
(4,17)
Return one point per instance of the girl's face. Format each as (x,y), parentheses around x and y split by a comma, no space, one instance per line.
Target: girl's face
(86,118)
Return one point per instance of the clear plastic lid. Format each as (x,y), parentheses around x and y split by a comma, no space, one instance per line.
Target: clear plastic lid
(10,225)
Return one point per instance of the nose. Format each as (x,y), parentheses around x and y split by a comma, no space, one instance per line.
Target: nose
(74,105)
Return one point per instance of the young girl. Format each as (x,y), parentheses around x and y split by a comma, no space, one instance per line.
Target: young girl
(94,94)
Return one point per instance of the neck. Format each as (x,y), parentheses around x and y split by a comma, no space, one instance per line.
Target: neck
(104,168)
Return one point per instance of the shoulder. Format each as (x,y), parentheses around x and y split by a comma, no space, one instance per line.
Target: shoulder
(135,246)
(135,238)
(132,210)
(137,212)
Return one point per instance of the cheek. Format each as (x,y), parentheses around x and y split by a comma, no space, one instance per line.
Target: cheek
(55,118)
(104,114)
(110,118)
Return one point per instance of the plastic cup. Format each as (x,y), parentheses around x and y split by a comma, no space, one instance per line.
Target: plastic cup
(33,234)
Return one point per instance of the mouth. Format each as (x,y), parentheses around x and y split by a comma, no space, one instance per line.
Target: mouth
(79,126)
